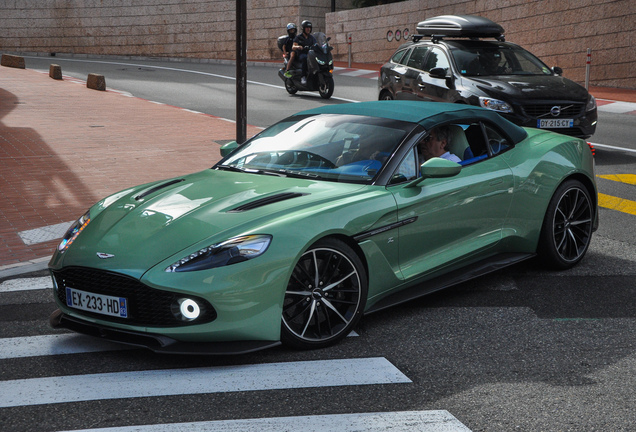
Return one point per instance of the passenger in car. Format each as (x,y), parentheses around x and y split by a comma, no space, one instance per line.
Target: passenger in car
(435,144)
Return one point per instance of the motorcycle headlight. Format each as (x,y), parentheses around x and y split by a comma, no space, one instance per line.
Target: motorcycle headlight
(591,104)
(75,230)
(495,105)
(229,252)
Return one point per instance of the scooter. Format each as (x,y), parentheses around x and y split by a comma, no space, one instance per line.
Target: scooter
(319,66)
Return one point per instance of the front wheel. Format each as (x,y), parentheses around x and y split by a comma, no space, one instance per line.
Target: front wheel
(326,88)
(567,226)
(325,296)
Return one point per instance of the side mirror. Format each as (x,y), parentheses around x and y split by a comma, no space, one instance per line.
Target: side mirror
(228,148)
(438,73)
(557,70)
(436,168)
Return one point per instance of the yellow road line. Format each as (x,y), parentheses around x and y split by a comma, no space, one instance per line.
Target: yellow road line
(615,203)
(623,178)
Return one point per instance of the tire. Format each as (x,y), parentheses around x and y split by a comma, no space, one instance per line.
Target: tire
(325,296)
(385,96)
(567,226)
(326,89)
(289,86)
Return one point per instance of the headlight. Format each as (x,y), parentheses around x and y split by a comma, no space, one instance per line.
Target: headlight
(229,252)
(75,230)
(591,104)
(495,104)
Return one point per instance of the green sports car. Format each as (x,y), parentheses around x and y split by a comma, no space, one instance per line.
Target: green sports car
(329,214)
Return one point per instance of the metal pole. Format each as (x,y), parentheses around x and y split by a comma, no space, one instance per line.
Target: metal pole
(587,69)
(241,71)
(349,41)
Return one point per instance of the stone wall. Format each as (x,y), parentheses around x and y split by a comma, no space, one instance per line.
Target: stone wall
(152,28)
(559,32)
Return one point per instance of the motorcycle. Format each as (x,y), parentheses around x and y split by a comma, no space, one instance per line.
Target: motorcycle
(319,67)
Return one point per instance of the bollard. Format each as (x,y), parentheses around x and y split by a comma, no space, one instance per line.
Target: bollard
(55,72)
(13,61)
(96,82)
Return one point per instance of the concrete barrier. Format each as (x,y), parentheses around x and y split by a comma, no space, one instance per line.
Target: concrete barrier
(55,72)
(96,82)
(13,61)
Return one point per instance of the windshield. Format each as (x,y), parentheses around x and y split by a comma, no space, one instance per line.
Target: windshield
(482,58)
(343,148)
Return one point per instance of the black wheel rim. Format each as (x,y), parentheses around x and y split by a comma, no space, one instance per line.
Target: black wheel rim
(323,295)
(572,224)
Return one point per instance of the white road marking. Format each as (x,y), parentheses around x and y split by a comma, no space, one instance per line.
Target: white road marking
(404,421)
(44,234)
(136,384)
(613,147)
(618,107)
(26,284)
(47,345)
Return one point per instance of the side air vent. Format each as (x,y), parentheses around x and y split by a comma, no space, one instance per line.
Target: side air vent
(156,188)
(266,201)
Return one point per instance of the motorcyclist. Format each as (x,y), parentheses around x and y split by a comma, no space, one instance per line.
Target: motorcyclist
(302,44)
(288,52)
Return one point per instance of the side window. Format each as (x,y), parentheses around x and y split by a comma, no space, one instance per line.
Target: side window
(436,59)
(497,142)
(416,60)
(399,57)
(407,170)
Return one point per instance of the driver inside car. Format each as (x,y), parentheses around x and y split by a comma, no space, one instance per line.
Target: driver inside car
(435,144)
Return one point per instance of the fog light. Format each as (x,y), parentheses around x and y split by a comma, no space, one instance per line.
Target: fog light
(186,309)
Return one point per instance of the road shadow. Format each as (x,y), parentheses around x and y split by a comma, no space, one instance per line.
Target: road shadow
(38,187)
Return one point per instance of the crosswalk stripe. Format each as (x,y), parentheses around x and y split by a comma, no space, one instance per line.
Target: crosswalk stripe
(404,421)
(622,178)
(59,344)
(615,203)
(136,384)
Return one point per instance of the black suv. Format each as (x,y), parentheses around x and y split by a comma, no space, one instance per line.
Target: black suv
(457,65)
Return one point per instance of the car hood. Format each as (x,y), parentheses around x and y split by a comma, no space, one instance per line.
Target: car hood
(152,223)
(539,88)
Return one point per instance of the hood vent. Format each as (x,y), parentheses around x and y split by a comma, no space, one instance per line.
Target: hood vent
(266,201)
(156,188)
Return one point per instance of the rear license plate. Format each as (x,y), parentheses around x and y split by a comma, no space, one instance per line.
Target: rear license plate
(98,303)
(555,123)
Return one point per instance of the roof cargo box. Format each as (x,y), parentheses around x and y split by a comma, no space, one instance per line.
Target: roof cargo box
(460,26)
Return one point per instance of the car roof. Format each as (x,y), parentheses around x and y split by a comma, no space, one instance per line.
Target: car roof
(426,114)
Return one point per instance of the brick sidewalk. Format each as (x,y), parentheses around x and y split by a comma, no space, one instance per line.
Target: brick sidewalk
(63,147)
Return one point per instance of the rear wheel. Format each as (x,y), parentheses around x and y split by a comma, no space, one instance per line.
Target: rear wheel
(326,89)
(386,96)
(567,226)
(325,296)
(289,86)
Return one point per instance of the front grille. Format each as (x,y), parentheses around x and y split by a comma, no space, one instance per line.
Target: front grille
(543,110)
(146,306)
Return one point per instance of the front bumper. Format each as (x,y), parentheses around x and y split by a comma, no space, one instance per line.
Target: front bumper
(155,342)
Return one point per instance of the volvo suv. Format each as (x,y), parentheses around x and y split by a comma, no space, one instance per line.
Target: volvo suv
(466,59)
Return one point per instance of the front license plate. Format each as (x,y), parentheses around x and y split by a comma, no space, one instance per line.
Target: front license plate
(98,303)
(555,123)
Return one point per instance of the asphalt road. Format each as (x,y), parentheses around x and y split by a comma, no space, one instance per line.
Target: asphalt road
(523,349)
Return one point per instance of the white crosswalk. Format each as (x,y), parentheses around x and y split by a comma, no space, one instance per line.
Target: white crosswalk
(83,387)
(405,421)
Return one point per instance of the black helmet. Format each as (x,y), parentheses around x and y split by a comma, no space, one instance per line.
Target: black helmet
(290,27)
(306,24)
